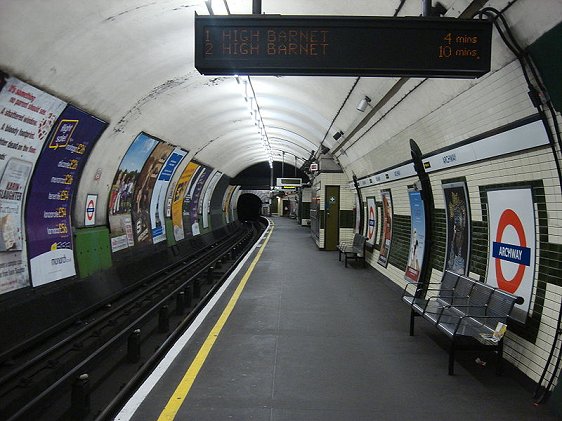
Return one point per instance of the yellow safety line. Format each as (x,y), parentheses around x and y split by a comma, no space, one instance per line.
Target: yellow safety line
(183,388)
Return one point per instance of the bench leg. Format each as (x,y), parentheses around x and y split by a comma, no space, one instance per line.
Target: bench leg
(452,358)
(412,321)
(339,255)
(499,365)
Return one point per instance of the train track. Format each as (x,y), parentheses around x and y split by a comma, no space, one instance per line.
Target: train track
(87,370)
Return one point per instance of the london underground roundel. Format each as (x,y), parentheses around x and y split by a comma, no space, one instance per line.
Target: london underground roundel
(371,223)
(511,233)
(519,254)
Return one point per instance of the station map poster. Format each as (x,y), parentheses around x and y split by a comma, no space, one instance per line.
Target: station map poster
(27,115)
(371,221)
(417,236)
(158,200)
(178,198)
(207,197)
(144,190)
(121,198)
(512,245)
(386,240)
(194,192)
(51,194)
(457,213)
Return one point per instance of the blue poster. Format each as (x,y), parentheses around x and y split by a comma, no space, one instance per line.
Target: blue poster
(158,201)
(417,237)
(51,192)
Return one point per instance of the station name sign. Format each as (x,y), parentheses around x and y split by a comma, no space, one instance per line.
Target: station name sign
(342,46)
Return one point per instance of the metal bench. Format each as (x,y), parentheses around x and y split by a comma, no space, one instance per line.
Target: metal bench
(465,310)
(355,250)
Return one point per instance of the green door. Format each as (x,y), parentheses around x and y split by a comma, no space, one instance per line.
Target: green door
(332,226)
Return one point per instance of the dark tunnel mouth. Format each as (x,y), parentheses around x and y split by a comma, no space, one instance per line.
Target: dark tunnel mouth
(249,207)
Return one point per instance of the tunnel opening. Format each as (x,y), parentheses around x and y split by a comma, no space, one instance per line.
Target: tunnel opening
(249,207)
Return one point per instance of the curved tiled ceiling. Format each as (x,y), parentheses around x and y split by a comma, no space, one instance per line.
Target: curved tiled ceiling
(131,62)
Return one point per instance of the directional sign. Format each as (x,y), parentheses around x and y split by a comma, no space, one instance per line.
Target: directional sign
(342,46)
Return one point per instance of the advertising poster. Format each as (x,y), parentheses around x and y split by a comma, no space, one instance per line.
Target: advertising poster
(234,203)
(178,198)
(457,212)
(195,192)
(417,237)
(143,192)
(121,198)
(158,201)
(206,186)
(27,115)
(371,221)
(207,198)
(512,250)
(226,203)
(51,194)
(386,237)
(357,211)
(187,200)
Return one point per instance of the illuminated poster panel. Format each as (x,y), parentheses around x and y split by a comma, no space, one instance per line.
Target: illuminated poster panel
(512,245)
(158,201)
(457,212)
(121,198)
(194,193)
(234,204)
(51,193)
(226,203)
(144,190)
(207,198)
(179,196)
(371,221)
(417,237)
(358,204)
(186,205)
(386,238)
(206,186)
(27,115)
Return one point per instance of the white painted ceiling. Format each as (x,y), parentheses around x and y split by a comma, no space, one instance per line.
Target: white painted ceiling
(131,62)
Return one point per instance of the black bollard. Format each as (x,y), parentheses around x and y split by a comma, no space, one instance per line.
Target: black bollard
(187,291)
(80,398)
(133,346)
(163,320)
(180,303)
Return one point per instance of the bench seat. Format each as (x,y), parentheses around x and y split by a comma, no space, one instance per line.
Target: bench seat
(465,310)
(355,250)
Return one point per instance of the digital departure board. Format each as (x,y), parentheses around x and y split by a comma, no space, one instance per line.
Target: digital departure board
(342,46)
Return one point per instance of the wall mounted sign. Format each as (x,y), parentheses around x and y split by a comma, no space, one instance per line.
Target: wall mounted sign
(511,237)
(342,46)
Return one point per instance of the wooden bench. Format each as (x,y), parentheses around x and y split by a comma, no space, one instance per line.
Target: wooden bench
(465,310)
(355,250)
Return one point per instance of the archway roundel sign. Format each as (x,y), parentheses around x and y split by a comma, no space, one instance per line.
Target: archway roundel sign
(511,233)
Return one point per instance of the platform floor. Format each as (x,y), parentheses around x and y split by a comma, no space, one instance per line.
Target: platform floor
(311,340)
